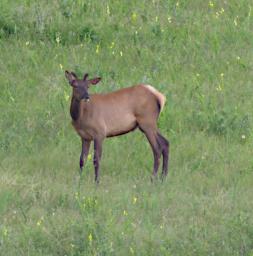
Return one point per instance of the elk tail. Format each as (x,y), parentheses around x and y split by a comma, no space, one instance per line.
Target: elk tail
(160,97)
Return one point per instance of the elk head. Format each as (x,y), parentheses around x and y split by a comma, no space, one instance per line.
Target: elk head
(80,86)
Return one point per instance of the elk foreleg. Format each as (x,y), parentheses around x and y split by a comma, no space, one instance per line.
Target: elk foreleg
(84,153)
(97,157)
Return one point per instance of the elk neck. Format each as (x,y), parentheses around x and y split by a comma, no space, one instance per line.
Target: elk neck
(77,108)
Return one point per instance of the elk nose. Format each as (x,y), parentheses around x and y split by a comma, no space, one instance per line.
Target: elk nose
(87,98)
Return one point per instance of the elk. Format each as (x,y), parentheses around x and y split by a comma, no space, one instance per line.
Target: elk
(99,116)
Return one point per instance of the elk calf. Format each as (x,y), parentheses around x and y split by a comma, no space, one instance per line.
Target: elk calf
(98,116)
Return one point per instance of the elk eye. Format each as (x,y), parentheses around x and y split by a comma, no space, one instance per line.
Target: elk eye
(73,83)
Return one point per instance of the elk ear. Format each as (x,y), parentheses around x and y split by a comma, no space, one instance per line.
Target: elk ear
(71,76)
(94,80)
(85,76)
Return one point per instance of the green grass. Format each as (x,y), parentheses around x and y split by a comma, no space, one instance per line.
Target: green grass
(199,54)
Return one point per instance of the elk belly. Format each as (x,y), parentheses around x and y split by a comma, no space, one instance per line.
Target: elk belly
(116,125)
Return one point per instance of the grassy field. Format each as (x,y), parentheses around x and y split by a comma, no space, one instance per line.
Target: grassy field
(199,54)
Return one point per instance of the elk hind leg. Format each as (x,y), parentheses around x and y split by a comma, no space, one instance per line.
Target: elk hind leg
(164,144)
(151,135)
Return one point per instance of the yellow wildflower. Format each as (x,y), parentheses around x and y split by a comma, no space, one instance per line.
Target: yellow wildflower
(66,96)
(58,39)
(112,45)
(219,88)
(125,213)
(90,238)
(108,10)
(97,48)
(5,231)
(235,21)
(134,16)
(134,200)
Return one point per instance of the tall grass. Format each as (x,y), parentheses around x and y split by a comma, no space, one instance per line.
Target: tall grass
(199,54)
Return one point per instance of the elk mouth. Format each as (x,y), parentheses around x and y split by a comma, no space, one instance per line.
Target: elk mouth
(86,97)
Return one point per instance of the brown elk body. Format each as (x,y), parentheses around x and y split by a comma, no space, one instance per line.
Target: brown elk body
(98,116)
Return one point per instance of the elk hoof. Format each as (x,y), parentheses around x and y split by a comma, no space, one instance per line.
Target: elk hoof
(81,163)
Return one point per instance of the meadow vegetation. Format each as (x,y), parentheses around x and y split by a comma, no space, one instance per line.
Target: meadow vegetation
(199,54)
